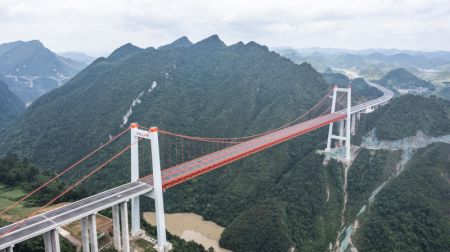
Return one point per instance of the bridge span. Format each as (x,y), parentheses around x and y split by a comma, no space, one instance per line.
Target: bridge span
(47,223)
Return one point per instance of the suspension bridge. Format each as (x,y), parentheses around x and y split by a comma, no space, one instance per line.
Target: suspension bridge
(186,166)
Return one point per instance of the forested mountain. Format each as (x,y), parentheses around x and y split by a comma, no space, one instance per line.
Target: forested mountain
(401,79)
(282,198)
(398,193)
(406,115)
(444,93)
(411,212)
(181,42)
(208,89)
(11,107)
(32,70)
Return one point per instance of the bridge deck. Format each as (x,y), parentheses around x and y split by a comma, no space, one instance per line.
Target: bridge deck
(180,173)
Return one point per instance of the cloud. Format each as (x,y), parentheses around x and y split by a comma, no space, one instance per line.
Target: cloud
(100,26)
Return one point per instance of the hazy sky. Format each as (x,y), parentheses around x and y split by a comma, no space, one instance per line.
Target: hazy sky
(99,26)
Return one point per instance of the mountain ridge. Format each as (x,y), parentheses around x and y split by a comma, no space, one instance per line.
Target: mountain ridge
(32,70)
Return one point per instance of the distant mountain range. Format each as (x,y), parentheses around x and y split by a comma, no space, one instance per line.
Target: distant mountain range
(387,52)
(374,63)
(78,57)
(32,70)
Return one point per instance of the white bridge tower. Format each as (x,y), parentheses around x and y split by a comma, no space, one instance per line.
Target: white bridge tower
(157,193)
(342,137)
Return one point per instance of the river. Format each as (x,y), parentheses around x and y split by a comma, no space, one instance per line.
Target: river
(190,226)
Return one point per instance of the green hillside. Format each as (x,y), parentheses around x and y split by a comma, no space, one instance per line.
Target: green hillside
(11,107)
(405,115)
(400,78)
(207,89)
(411,212)
(444,93)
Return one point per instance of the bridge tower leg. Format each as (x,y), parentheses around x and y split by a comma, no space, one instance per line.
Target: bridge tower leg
(342,136)
(353,125)
(124,220)
(135,212)
(85,234)
(93,232)
(163,245)
(348,124)
(116,228)
(330,129)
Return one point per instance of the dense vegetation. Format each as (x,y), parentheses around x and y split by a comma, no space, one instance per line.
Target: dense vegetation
(11,107)
(20,173)
(368,171)
(405,115)
(240,237)
(411,212)
(402,79)
(444,93)
(297,211)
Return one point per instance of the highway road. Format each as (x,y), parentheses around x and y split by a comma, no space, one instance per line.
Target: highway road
(42,223)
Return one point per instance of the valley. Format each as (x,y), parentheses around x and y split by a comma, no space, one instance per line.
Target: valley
(241,158)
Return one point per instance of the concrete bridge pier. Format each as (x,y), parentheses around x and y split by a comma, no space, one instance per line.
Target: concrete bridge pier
(8,249)
(89,233)
(85,234)
(51,241)
(124,224)
(93,232)
(116,228)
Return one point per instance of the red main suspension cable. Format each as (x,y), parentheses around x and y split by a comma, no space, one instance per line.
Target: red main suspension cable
(63,172)
(236,139)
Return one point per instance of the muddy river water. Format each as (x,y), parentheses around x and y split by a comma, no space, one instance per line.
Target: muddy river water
(190,226)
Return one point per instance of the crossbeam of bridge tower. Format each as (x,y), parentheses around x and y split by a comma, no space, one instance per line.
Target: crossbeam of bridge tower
(341,137)
(135,212)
